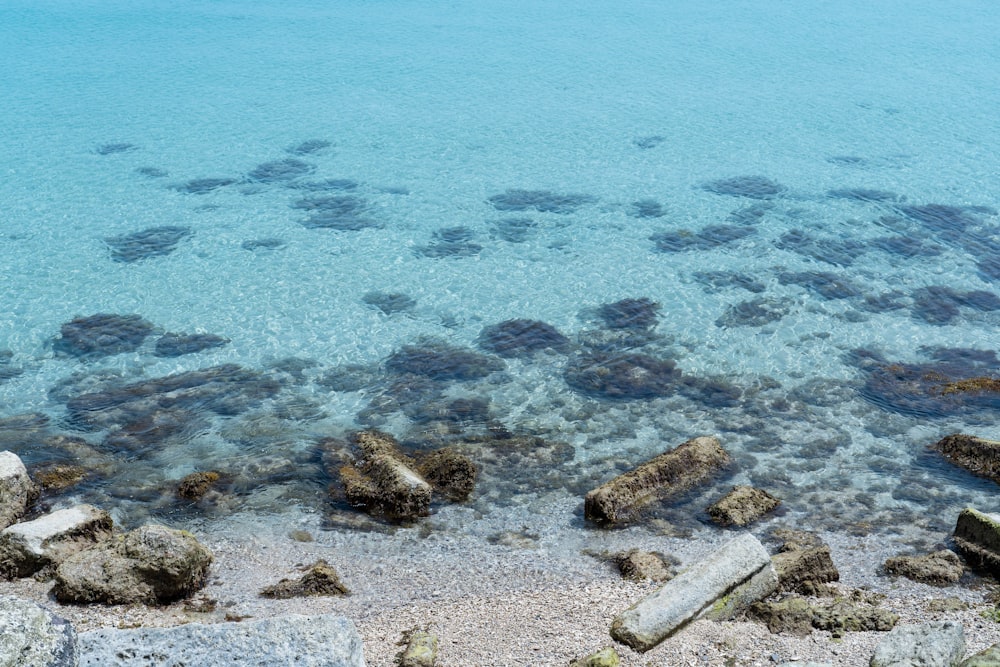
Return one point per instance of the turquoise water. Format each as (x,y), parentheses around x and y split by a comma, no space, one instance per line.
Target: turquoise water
(802,199)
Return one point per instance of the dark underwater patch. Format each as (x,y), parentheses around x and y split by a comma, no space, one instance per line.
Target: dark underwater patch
(624,376)
(325,185)
(840,252)
(389,302)
(940,217)
(308,147)
(883,303)
(441,361)
(152,172)
(827,285)
(712,236)
(865,195)
(339,212)
(115,148)
(542,201)
(513,230)
(938,387)
(450,242)
(907,247)
(848,160)
(635,313)
(646,208)
(178,344)
(651,141)
(715,281)
(753,187)
(103,334)
(202,186)
(940,304)
(521,338)
(262,244)
(279,171)
(753,313)
(146,243)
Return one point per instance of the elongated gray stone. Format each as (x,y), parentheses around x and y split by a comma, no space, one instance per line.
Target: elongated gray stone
(732,577)
(26,548)
(31,636)
(17,491)
(304,641)
(937,644)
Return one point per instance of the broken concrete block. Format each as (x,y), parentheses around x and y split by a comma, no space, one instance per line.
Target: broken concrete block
(694,592)
(670,473)
(26,548)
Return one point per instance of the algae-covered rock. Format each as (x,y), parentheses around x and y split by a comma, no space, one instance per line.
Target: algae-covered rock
(675,471)
(606,657)
(797,615)
(385,481)
(804,564)
(742,506)
(152,564)
(421,650)
(977,536)
(59,476)
(987,658)
(636,565)
(320,579)
(939,568)
(452,474)
(196,485)
(977,455)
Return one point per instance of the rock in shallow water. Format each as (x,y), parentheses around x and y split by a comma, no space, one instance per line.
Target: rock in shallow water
(102,335)
(742,506)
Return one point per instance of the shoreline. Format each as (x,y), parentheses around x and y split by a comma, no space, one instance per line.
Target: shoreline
(504,604)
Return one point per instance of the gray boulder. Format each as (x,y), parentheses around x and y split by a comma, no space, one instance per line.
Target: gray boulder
(26,548)
(303,641)
(725,582)
(938,644)
(152,564)
(17,491)
(31,636)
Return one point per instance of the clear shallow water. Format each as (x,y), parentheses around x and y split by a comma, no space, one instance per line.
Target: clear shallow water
(870,133)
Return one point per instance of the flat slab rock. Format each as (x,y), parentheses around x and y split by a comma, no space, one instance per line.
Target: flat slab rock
(938,644)
(303,641)
(26,548)
(31,636)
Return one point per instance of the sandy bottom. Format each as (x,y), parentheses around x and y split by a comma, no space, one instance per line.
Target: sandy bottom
(516,602)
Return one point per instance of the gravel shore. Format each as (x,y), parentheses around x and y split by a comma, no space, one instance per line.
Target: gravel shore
(527,602)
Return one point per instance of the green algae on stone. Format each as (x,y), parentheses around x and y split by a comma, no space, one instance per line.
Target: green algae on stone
(421,649)
(606,657)
(977,536)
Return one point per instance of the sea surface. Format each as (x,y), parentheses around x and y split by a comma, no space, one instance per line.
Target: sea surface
(561,236)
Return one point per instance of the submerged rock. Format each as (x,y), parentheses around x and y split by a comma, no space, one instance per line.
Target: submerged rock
(742,506)
(451,473)
(754,187)
(178,344)
(675,471)
(542,201)
(520,338)
(152,565)
(940,568)
(625,376)
(638,313)
(196,485)
(149,242)
(102,335)
(59,476)
(440,361)
(977,455)
(385,481)
(319,579)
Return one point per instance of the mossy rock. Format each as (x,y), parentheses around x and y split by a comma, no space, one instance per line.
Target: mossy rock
(320,579)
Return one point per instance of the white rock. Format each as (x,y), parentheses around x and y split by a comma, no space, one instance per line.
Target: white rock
(31,636)
(938,644)
(16,489)
(26,548)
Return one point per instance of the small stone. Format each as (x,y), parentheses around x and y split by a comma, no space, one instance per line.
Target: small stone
(421,650)
(638,565)
(606,657)
(196,485)
(320,579)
